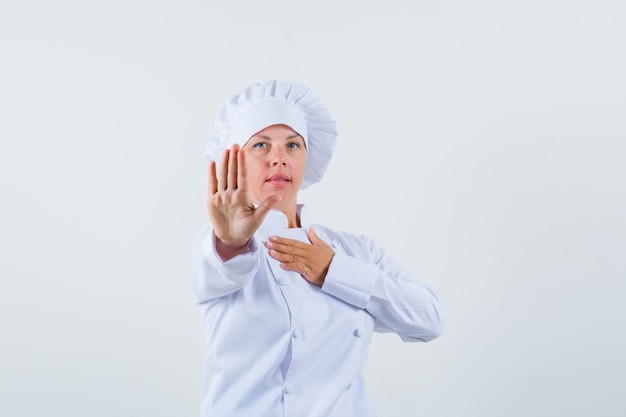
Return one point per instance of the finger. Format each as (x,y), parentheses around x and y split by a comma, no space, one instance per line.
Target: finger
(269,203)
(303,270)
(232,168)
(284,241)
(298,267)
(284,257)
(221,179)
(288,249)
(314,238)
(212,178)
(241,172)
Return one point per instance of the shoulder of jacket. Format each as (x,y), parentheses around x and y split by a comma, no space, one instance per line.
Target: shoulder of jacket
(344,239)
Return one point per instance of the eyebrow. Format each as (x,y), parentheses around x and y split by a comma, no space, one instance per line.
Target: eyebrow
(295,135)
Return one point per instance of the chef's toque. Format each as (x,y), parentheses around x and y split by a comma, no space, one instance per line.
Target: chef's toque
(272,103)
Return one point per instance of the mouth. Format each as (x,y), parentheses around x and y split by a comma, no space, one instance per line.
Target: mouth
(278,180)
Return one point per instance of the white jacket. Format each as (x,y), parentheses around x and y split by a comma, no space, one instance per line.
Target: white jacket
(280,346)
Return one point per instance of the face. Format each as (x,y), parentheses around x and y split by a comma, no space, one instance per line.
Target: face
(275,159)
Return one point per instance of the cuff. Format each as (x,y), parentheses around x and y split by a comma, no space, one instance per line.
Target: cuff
(350,280)
(240,265)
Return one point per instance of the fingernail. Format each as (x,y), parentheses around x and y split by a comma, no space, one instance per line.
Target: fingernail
(269,244)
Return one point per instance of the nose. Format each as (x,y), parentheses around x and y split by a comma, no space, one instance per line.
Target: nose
(278,157)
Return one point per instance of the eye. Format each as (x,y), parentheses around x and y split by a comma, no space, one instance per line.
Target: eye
(293,145)
(260,145)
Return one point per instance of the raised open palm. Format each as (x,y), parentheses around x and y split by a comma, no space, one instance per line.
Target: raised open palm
(232,212)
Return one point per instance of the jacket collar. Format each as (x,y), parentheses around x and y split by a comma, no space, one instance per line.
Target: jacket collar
(276,219)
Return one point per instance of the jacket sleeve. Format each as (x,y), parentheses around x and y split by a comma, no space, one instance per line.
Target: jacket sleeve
(213,278)
(363,275)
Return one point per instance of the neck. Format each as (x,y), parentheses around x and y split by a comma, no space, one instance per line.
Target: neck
(293,220)
(285,219)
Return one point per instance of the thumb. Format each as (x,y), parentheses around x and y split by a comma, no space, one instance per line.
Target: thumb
(314,238)
(264,208)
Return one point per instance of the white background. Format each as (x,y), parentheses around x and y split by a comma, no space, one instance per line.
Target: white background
(481,143)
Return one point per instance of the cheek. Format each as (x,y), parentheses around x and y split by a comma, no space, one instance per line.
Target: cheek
(254,177)
(303,165)
(253,166)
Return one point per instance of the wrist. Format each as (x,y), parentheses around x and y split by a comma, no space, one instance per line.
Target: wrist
(233,245)
(229,250)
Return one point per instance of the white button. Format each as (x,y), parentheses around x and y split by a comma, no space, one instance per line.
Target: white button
(358,332)
(296,333)
(288,388)
(281,281)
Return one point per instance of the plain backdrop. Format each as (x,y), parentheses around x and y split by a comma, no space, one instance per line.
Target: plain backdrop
(482,144)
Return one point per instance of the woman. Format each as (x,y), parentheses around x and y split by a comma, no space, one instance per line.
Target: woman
(289,308)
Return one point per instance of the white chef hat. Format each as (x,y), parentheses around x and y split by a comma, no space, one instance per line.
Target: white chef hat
(272,103)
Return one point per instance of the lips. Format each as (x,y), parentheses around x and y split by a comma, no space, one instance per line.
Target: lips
(278,180)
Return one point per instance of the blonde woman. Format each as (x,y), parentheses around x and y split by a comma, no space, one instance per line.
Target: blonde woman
(289,307)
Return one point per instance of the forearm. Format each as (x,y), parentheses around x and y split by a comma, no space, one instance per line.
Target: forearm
(213,277)
(412,310)
(367,278)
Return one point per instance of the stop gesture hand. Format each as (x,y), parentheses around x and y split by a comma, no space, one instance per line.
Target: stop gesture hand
(233,215)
